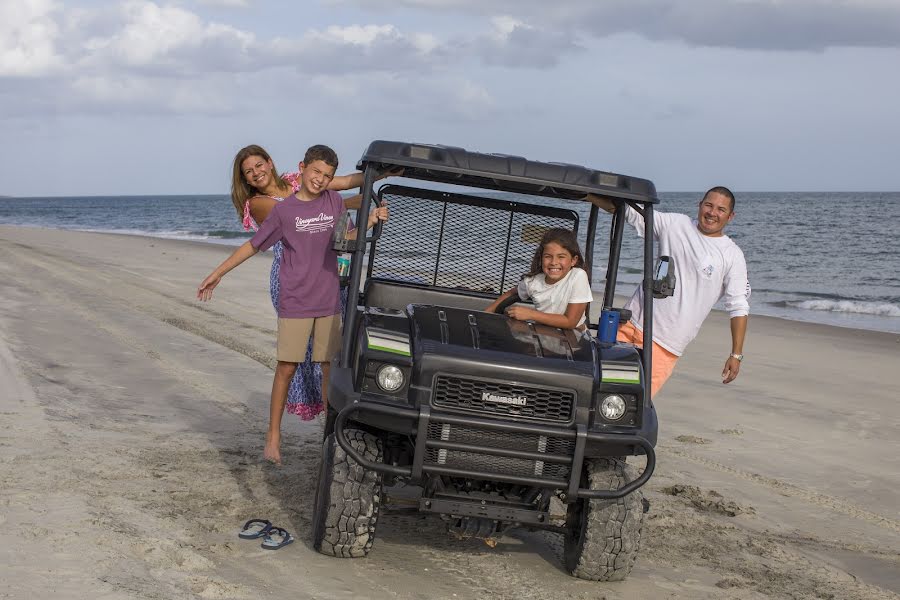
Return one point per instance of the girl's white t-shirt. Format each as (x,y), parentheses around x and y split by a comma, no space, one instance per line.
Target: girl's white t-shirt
(555,298)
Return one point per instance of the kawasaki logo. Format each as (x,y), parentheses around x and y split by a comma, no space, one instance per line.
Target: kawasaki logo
(515,400)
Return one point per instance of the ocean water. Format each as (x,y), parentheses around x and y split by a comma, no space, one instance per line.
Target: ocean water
(830,258)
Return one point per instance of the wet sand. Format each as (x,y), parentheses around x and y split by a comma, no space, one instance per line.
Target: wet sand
(132,429)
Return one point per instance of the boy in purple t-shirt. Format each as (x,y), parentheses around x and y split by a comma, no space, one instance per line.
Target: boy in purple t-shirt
(308,298)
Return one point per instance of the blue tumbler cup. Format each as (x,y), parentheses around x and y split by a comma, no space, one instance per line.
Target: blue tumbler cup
(608,327)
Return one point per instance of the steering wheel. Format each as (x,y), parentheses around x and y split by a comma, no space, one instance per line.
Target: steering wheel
(501,308)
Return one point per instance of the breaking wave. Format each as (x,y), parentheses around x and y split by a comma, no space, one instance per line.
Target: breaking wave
(882,309)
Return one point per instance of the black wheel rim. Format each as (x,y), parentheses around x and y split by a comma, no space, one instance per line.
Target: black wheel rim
(576,524)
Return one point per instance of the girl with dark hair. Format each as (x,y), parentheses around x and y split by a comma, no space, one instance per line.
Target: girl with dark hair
(557,284)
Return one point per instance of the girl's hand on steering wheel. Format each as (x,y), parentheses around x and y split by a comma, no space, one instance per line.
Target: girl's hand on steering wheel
(520,313)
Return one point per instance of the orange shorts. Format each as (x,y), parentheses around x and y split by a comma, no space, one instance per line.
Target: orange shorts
(663,360)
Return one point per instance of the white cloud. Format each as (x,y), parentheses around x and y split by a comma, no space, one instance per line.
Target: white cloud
(168,37)
(28,33)
(472,101)
(514,43)
(752,24)
(371,36)
(424,42)
(140,57)
(410,97)
(119,57)
(149,58)
(356,49)
(105,95)
(505,25)
(226,3)
(360,35)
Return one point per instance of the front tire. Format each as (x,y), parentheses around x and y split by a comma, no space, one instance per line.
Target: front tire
(348,497)
(604,535)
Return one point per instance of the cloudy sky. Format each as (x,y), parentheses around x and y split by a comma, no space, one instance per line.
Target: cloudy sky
(155,97)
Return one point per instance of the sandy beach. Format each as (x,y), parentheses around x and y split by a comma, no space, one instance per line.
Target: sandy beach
(132,429)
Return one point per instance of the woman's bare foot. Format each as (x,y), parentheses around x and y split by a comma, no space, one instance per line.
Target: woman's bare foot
(272,452)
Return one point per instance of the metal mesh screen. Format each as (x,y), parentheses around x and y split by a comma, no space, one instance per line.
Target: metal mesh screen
(460,242)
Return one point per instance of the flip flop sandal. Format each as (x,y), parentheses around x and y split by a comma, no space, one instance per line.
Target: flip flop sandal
(255,528)
(276,537)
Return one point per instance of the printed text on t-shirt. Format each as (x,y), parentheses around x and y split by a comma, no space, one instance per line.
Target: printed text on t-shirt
(315,224)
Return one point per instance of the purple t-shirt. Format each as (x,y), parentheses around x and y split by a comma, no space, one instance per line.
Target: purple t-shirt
(309,285)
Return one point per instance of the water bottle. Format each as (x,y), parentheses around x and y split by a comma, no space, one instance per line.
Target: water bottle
(608,327)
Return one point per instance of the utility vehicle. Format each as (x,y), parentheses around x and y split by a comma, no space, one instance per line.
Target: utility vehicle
(499,422)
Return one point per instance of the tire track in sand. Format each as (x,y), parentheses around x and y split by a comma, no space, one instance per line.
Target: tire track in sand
(87,280)
(823,500)
(209,325)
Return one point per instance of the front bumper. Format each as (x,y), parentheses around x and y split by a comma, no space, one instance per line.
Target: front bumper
(422,417)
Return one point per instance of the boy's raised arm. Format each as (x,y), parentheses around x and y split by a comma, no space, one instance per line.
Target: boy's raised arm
(380,213)
(245,251)
(354,180)
(340,183)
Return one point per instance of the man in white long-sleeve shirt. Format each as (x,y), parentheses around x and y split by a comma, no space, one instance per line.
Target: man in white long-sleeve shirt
(709,266)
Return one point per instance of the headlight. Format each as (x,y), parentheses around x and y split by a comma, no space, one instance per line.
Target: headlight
(612,407)
(389,378)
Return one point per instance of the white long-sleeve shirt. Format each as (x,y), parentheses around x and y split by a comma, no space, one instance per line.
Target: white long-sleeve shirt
(707,269)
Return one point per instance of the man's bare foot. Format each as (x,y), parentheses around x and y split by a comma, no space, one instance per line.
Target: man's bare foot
(272,452)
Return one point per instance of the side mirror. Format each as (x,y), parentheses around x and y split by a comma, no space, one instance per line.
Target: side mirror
(340,241)
(664,277)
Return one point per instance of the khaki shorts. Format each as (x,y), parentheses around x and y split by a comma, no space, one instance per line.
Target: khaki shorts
(293,338)
(663,360)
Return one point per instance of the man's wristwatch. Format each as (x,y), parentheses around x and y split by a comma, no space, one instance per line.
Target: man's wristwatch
(739,357)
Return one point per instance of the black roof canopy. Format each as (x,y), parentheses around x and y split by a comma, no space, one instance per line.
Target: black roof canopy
(458,166)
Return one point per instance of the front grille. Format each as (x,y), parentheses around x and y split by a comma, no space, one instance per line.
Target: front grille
(540,404)
(498,439)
